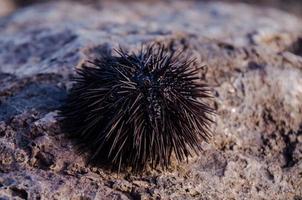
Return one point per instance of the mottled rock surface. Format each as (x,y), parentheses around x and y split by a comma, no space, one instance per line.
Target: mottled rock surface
(254,64)
(6,7)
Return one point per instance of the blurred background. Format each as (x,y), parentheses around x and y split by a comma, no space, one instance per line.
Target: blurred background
(291,6)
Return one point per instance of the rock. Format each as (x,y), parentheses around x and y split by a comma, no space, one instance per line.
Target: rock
(6,7)
(254,64)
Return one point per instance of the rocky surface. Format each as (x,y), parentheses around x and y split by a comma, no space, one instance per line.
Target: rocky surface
(292,6)
(254,64)
(6,7)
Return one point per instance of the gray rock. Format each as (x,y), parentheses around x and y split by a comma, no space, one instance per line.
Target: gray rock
(254,64)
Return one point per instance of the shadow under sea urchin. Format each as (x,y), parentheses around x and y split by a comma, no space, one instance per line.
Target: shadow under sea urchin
(136,109)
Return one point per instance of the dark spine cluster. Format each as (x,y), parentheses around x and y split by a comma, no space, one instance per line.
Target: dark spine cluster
(138,108)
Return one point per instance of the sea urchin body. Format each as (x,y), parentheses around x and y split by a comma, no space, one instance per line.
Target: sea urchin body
(138,108)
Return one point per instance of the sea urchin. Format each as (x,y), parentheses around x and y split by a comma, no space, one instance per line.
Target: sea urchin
(138,108)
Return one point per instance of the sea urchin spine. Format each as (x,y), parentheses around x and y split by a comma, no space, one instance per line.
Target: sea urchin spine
(138,108)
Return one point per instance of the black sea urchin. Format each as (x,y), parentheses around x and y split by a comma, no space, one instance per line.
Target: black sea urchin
(134,109)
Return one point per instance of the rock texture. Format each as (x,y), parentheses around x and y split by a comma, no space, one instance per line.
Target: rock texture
(6,7)
(254,64)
